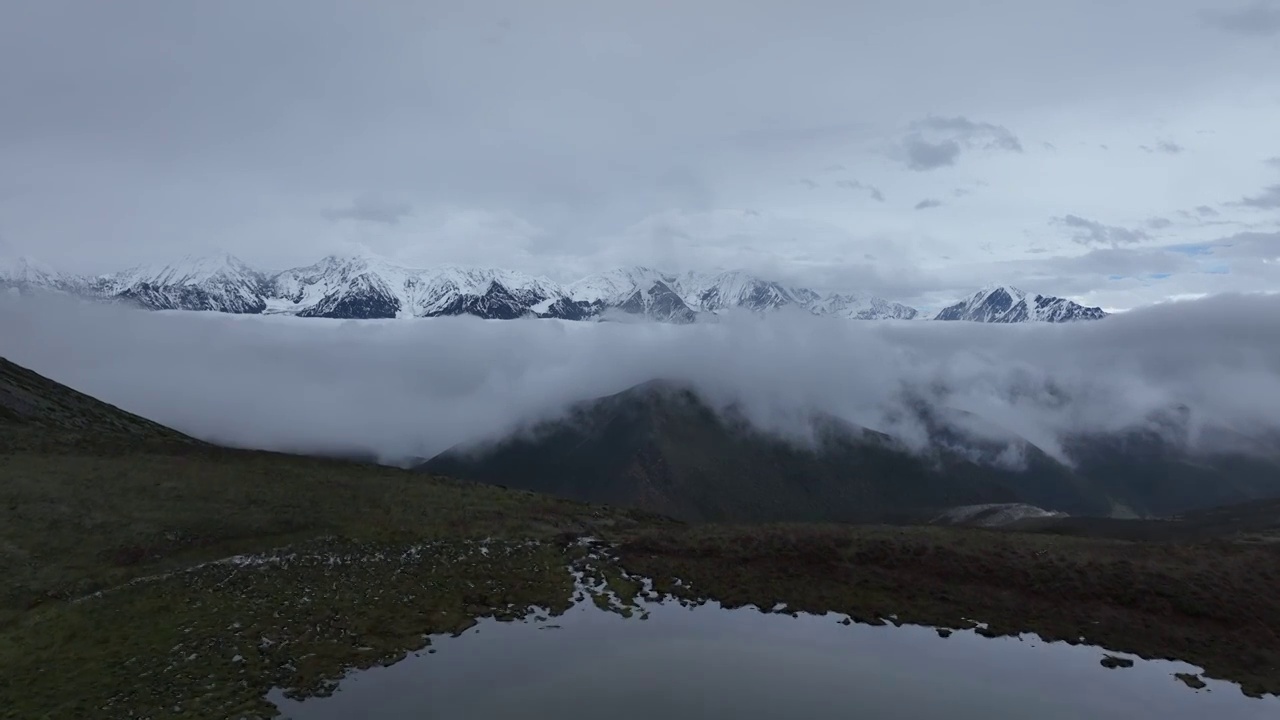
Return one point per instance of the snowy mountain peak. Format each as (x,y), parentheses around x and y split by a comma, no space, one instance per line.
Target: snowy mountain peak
(463,278)
(367,286)
(734,289)
(1008,304)
(1011,291)
(375,287)
(724,290)
(862,306)
(25,270)
(616,286)
(190,270)
(219,283)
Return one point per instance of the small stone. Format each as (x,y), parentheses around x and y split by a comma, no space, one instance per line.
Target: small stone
(944,633)
(1191,680)
(1111,661)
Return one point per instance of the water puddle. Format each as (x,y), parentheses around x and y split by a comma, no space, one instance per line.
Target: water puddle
(704,661)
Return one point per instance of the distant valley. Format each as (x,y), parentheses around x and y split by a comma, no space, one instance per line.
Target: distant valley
(363,287)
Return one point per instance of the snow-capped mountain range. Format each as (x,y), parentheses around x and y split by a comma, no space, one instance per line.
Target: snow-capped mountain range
(366,287)
(218,283)
(1006,304)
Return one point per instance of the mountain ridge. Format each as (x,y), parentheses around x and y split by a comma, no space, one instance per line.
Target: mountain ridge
(371,287)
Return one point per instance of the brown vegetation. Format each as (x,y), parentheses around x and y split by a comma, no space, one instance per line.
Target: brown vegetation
(1213,604)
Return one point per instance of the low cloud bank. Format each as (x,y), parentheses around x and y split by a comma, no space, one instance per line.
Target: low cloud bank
(412,388)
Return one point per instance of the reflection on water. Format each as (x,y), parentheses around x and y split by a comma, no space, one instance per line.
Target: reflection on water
(705,661)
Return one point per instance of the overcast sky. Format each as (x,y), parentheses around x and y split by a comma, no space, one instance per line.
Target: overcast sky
(1120,152)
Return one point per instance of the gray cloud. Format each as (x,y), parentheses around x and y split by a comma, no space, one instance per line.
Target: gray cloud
(1247,245)
(872,191)
(1260,18)
(1164,146)
(286,383)
(1091,232)
(928,203)
(1273,162)
(970,132)
(925,155)
(368,208)
(809,183)
(1159,223)
(936,141)
(1268,199)
(1206,211)
(1190,269)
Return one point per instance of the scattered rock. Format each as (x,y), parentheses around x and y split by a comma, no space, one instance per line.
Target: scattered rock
(944,633)
(1191,680)
(1112,662)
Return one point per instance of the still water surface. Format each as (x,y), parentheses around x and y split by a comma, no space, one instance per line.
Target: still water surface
(708,662)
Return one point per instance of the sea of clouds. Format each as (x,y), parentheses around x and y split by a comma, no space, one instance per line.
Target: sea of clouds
(412,388)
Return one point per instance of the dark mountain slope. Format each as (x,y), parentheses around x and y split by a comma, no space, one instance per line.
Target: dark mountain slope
(1036,477)
(659,447)
(1153,475)
(36,411)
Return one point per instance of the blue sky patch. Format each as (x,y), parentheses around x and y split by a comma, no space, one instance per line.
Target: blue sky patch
(1192,249)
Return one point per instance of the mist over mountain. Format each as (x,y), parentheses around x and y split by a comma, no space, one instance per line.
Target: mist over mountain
(1204,374)
(660,447)
(369,287)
